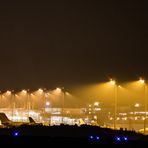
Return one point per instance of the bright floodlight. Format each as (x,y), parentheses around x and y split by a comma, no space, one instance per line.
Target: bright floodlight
(8,92)
(58,90)
(95,117)
(96,103)
(112,82)
(47,103)
(141,80)
(137,105)
(24,91)
(119,86)
(40,90)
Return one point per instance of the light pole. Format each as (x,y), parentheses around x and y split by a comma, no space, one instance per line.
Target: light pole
(0,99)
(62,94)
(113,82)
(45,96)
(63,103)
(12,95)
(28,102)
(142,81)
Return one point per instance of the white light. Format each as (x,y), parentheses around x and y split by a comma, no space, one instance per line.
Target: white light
(8,92)
(95,117)
(58,90)
(96,103)
(24,91)
(97,109)
(40,90)
(47,103)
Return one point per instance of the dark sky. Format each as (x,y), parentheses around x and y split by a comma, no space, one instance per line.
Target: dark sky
(66,43)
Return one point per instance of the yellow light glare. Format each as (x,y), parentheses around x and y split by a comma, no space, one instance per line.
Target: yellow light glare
(119,86)
(16,95)
(24,91)
(8,92)
(58,90)
(141,80)
(112,82)
(96,103)
(125,118)
(40,90)
(95,117)
(137,105)
(32,94)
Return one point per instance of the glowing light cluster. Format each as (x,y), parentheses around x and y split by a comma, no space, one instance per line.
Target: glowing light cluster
(121,139)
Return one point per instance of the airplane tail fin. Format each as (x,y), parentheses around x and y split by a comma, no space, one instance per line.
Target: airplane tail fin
(81,122)
(4,119)
(31,120)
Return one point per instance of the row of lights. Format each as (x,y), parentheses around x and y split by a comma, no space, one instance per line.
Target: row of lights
(113,82)
(91,137)
(26,91)
(117,138)
(125,118)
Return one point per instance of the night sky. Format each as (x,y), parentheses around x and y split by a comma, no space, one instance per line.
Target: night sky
(66,43)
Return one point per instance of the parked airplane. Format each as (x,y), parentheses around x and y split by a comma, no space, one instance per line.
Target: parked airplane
(8,123)
(32,122)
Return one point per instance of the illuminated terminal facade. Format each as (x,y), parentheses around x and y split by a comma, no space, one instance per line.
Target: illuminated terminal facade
(51,108)
(92,114)
(42,105)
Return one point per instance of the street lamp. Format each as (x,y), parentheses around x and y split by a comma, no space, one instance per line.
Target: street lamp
(62,90)
(28,101)
(25,92)
(12,96)
(113,82)
(137,105)
(142,81)
(63,102)
(1,98)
